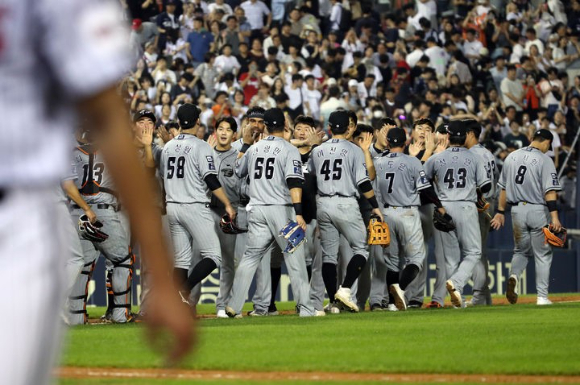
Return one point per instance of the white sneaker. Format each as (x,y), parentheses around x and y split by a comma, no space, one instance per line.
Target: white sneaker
(398,296)
(319,313)
(332,308)
(222,314)
(392,307)
(512,289)
(456,299)
(343,296)
(541,301)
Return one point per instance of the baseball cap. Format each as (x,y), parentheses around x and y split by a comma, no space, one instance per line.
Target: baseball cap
(331,82)
(352,83)
(338,120)
(543,133)
(397,136)
(442,128)
(187,115)
(136,24)
(170,2)
(456,128)
(274,118)
(143,114)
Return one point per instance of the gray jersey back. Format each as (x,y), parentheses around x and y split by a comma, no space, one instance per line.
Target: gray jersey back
(456,172)
(268,164)
(340,168)
(225,164)
(527,176)
(185,162)
(400,178)
(489,164)
(93,174)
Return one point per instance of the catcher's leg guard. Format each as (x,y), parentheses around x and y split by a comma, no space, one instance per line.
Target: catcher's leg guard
(121,280)
(110,296)
(78,296)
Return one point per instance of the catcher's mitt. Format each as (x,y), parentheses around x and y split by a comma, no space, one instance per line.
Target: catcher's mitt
(555,239)
(294,234)
(91,231)
(230,227)
(482,204)
(379,233)
(443,222)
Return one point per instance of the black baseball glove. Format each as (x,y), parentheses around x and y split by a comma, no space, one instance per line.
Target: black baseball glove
(91,231)
(443,222)
(230,227)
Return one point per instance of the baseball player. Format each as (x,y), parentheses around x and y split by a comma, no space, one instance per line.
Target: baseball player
(481,292)
(340,169)
(458,175)
(189,175)
(401,181)
(274,170)
(225,162)
(529,183)
(81,53)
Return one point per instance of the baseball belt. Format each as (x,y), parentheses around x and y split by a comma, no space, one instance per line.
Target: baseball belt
(101,206)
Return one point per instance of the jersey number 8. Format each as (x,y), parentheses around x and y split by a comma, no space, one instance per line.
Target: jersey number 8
(521,174)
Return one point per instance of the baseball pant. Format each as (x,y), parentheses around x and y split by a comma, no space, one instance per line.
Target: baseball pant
(116,250)
(406,234)
(75,263)
(228,267)
(529,240)
(263,293)
(481,292)
(32,266)
(464,241)
(317,288)
(265,223)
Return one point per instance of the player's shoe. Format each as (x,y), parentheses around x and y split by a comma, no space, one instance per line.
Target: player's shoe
(398,296)
(258,313)
(511,292)
(107,318)
(414,305)
(221,314)
(343,296)
(332,308)
(377,307)
(434,305)
(183,298)
(273,310)
(542,301)
(231,313)
(392,307)
(456,299)
(319,313)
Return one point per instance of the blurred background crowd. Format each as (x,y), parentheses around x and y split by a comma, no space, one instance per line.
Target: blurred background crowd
(512,65)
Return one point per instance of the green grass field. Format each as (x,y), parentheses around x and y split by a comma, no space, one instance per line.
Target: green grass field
(522,339)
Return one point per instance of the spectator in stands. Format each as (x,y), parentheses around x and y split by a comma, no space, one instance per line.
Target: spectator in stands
(199,41)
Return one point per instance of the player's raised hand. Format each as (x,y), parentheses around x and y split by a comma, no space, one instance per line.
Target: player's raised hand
(378,213)
(212,140)
(415,148)
(247,134)
(314,138)
(366,141)
(146,138)
(430,141)
(164,134)
(498,221)
(442,146)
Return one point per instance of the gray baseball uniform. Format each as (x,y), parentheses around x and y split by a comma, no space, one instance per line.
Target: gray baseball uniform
(185,162)
(97,189)
(269,163)
(457,172)
(527,176)
(400,179)
(481,292)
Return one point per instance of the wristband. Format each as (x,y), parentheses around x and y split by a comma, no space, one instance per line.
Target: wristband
(245,147)
(373,202)
(298,208)
(551,206)
(502,212)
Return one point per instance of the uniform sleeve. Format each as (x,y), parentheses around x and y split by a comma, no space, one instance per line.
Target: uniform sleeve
(293,167)
(360,172)
(84,42)
(430,168)
(501,183)
(550,181)
(242,166)
(157,151)
(206,161)
(311,167)
(481,177)
(421,180)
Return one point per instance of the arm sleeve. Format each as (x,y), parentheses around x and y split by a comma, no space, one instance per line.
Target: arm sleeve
(365,186)
(428,195)
(212,182)
(205,160)
(294,183)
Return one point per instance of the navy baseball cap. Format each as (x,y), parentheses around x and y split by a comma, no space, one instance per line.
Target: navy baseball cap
(144,114)
(338,120)
(456,128)
(188,115)
(543,133)
(274,118)
(442,128)
(397,136)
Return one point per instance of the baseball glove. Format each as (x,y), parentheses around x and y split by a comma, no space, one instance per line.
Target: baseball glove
(482,204)
(294,234)
(91,231)
(443,222)
(379,233)
(230,227)
(555,239)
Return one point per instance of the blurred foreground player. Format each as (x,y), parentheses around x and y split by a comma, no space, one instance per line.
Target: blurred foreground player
(56,59)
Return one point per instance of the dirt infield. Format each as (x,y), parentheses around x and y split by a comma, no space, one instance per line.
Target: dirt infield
(112,373)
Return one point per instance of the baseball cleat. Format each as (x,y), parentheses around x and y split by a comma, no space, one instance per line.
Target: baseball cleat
(332,308)
(221,314)
(456,299)
(232,313)
(542,301)
(434,305)
(414,304)
(343,296)
(319,313)
(272,310)
(377,307)
(398,296)
(392,307)
(257,313)
(512,289)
